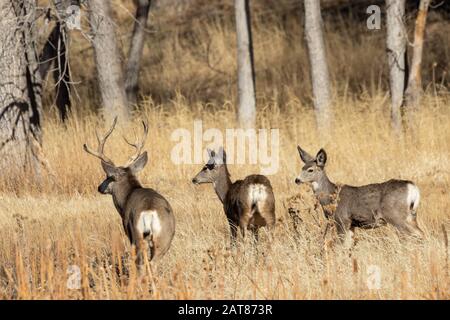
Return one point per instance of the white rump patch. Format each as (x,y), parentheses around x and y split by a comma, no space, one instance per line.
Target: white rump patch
(413,196)
(257,192)
(149,223)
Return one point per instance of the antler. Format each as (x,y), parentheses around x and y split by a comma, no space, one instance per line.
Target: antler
(138,145)
(101,143)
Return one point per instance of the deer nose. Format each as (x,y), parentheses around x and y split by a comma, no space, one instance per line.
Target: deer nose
(195,181)
(101,189)
(298,181)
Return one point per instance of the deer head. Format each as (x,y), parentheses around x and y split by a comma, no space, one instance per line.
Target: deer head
(213,169)
(118,177)
(314,168)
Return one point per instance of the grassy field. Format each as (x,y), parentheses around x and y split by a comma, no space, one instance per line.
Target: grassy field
(56,224)
(51,228)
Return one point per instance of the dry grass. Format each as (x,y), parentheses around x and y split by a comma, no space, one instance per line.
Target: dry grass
(63,221)
(60,221)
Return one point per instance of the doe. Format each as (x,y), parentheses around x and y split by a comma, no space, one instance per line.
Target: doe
(147,216)
(369,206)
(248,204)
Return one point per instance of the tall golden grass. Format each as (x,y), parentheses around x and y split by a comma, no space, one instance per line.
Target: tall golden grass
(62,221)
(57,222)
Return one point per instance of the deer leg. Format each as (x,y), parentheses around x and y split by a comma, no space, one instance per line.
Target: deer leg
(417,231)
(139,246)
(413,226)
(406,224)
(244,222)
(348,239)
(344,231)
(410,228)
(270,227)
(243,229)
(152,249)
(255,232)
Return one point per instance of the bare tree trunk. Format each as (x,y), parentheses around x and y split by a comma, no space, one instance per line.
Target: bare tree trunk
(246,72)
(109,71)
(55,51)
(413,92)
(396,50)
(135,54)
(61,76)
(318,62)
(48,53)
(20,88)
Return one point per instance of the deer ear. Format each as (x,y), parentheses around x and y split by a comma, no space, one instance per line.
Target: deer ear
(305,156)
(139,163)
(211,153)
(109,169)
(321,158)
(222,156)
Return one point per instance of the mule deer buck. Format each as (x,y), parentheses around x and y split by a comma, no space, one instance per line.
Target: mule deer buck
(147,217)
(369,206)
(248,204)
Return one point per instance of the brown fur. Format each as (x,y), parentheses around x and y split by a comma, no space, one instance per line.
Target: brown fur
(368,206)
(131,199)
(239,209)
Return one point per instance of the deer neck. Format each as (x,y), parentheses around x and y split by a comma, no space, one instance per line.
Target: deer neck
(324,190)
(122,192)
(222,184)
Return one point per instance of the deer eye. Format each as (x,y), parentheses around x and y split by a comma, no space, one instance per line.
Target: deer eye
(310,170)
(209,166)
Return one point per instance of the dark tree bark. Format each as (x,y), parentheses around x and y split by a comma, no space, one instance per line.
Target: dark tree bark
(55,52)
(61,76)
(136,47)
(20,88)
(109,70)
(48,53)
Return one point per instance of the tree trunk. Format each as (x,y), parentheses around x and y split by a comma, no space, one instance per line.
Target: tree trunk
(61,76)
(55,51)
(136,47)
(20,88)
(319,68)
(396,50)
(109,71)
(246,72)
(61,73)
(414,89)
(48,53)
